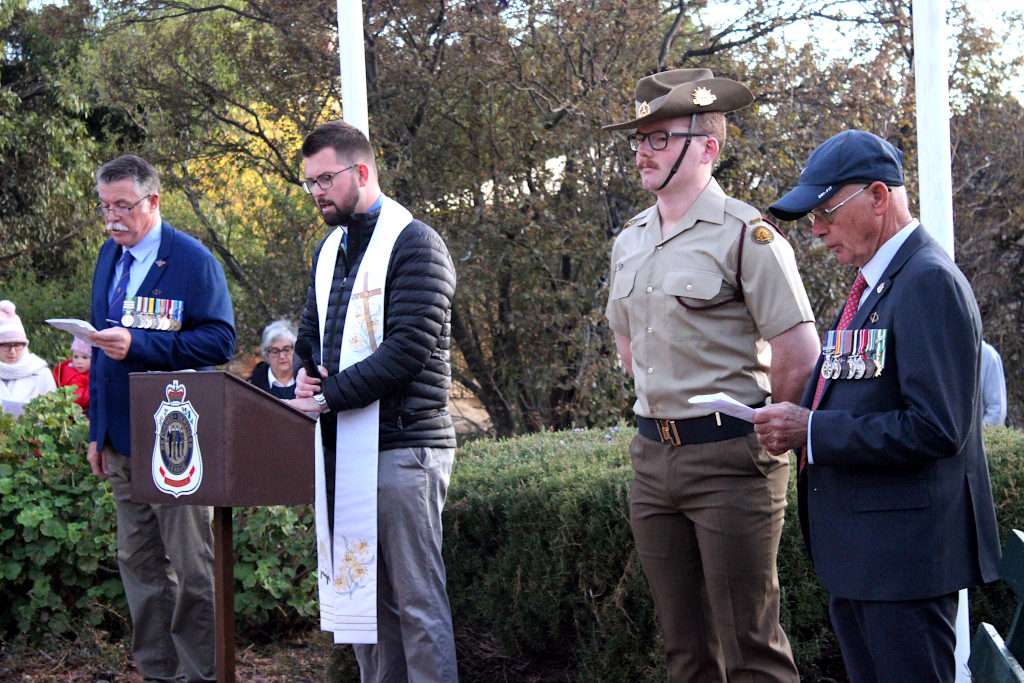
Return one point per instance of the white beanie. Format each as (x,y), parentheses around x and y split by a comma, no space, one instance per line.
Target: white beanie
(11,329)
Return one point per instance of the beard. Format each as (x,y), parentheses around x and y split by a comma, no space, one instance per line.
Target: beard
(335,215)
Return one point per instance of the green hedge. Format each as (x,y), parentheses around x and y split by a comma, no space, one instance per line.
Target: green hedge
(543,578)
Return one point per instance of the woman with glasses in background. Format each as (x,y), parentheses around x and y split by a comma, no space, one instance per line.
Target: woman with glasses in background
(23,375)
(276,372)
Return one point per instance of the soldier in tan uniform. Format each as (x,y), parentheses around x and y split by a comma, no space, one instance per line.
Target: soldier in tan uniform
(705,297)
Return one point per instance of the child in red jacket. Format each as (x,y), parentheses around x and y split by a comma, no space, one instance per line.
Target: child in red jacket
(75,372)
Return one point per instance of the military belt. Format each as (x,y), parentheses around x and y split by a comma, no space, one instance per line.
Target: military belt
(706,429)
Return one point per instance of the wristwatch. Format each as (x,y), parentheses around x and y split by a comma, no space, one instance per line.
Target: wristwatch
(321,402)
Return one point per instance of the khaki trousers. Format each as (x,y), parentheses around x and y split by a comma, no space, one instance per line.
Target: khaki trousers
(707,519)
(165,554)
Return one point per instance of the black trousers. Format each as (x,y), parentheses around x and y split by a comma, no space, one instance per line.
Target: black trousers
(891,642)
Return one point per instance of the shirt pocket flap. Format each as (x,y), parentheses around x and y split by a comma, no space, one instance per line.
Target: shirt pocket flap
(623,283)
(693,284)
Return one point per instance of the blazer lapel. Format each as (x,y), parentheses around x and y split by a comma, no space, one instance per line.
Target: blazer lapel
(159,267)
(918,239)
(105,266)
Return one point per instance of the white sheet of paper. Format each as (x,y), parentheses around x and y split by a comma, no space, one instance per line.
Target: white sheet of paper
(724,403)
(79,328)
(15,408)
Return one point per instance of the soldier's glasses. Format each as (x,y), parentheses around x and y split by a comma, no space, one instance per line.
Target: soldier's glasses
(324,180)
(658,139)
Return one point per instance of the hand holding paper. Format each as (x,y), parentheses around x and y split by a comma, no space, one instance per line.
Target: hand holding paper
(724,403)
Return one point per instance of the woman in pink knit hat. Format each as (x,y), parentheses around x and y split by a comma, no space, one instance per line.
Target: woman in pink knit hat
(23,374)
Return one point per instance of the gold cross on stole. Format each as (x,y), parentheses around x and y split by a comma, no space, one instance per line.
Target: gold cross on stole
(365,296)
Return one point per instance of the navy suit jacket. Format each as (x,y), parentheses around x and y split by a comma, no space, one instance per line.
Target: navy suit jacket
(897,504)
(184,269)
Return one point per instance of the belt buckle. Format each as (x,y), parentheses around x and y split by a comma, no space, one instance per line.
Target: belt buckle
(668,433)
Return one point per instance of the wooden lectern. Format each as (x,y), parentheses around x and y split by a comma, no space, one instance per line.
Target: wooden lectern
(210,438)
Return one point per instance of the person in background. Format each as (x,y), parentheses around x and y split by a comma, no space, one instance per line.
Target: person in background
(74,372)
(23,374)
(276,372)
(993,386)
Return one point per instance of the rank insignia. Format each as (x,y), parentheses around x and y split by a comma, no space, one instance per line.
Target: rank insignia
(642,109)
(762,234)
(702,97)
(177,463)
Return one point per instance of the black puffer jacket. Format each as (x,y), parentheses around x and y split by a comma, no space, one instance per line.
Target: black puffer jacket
(410,373)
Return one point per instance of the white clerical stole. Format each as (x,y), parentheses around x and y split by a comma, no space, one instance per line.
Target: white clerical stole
(347,562)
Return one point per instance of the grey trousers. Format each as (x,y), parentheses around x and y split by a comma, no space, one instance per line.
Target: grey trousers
(414,623)
(165,554)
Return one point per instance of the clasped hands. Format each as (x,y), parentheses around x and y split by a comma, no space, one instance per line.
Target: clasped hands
(305,387)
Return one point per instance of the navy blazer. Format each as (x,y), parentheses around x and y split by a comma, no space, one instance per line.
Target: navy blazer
(185,270)
(897,504)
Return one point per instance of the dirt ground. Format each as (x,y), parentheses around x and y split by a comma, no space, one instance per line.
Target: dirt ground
(302,659)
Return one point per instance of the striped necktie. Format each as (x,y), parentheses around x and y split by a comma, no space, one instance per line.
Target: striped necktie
(116,302)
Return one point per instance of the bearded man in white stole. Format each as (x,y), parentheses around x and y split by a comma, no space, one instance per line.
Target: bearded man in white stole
(378,320)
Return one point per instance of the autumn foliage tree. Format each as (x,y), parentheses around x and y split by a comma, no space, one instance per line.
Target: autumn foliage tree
(486,118)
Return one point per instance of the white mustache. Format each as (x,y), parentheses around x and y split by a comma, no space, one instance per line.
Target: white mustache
(115,227)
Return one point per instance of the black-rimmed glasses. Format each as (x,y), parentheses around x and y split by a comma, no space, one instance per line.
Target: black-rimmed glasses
(121,208)
(657,139)
(324,180)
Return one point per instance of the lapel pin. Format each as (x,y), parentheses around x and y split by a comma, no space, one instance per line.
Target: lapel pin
(874,317)
(161,263)
(880,288)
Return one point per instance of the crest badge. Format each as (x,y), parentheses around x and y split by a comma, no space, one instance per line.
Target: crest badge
(642,109)
(177,465)
(702,97)
(762,235)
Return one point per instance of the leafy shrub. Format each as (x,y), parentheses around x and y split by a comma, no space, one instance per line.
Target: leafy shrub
(995,603)
(58,553)
(542,573)
(57,541)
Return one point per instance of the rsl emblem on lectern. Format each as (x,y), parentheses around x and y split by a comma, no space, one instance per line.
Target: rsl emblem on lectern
(177,462)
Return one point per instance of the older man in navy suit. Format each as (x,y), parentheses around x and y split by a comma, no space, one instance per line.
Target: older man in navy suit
(895,500)
(164,552)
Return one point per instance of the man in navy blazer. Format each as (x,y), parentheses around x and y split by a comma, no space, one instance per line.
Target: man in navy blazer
(165,553)
(895,500)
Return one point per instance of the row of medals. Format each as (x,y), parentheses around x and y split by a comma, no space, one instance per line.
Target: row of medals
(853,354)
(147,313)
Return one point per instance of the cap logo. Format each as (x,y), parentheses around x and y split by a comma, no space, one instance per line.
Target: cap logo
(824,192)
(702,97)
(642,109)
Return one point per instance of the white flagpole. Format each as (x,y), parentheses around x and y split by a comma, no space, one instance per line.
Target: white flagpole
(935,187)
(931,79)
(353,65)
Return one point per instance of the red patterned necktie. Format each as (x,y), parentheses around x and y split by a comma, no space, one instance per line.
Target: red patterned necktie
(849,310)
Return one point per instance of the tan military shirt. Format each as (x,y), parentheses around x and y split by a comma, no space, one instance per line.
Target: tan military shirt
(679,352)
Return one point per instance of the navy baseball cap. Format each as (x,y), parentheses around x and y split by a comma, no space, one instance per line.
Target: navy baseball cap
(853,156)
